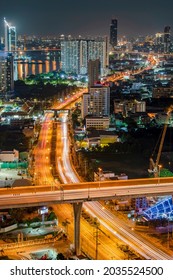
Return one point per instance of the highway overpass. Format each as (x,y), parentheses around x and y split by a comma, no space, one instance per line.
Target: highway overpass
(86,191)
(77,193)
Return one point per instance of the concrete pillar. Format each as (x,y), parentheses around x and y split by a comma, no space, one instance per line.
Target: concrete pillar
(77,207)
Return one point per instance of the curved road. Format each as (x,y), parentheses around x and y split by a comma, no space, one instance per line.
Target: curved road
(108,220)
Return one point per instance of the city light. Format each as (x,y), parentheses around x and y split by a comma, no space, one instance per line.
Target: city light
(85,133)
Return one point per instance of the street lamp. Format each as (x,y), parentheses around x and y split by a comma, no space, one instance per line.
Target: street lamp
(88,192)
(159,169)
(35,178)
(100,171)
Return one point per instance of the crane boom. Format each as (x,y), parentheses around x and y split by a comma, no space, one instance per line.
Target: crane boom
(154,166)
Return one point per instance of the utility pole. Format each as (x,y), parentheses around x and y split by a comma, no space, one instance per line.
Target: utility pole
(100,172)
(96,225)
(97,242)
(85,162)
(168,237)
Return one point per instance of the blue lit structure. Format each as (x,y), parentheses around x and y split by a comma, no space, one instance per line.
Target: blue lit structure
(162,209)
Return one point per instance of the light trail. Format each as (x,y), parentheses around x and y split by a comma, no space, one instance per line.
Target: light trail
(136,242)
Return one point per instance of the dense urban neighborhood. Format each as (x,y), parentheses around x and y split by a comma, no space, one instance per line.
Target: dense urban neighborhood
(86,155)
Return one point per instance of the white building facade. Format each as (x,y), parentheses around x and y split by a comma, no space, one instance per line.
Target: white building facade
(9,156)
(75,54)
(96,102)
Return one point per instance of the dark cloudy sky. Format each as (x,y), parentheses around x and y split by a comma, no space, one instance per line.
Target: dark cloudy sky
(86,17)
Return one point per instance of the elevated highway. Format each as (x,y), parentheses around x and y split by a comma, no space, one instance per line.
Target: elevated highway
(85,191)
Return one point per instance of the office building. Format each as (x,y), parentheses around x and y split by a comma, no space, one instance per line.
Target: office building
(6,73)
(96,102)
(126,107)
(159,42)
(159,38)
(10,37)
(167,39)
(113,33)
(97,122)
(11,44)
(139,203)
(93,72)
(76,53)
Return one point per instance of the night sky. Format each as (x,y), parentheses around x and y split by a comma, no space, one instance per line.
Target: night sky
(87,17)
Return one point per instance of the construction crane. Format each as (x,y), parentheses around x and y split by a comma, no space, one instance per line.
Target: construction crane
(154,166)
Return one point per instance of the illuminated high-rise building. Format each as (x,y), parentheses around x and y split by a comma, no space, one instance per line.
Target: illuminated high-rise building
(96,102)
(167,39)
(159,38)
(113,33)
(6,73)
(10,37)
(159,42)
(11,43)
(70,56)
(75,54)
(93,72)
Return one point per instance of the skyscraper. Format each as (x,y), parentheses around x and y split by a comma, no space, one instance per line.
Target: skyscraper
(10,37)
(93,72)
(70,55)
(6,73)
(75,54)
(167,39)
(11,43)
(113,33)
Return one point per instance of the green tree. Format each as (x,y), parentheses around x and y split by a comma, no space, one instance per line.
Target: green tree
(52,216)
(60,256)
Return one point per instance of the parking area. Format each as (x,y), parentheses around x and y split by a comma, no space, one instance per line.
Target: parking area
(9,176)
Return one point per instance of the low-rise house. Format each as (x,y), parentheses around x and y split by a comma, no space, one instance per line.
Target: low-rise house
(9,156)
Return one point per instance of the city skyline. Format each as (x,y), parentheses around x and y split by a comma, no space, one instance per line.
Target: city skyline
(92,18)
